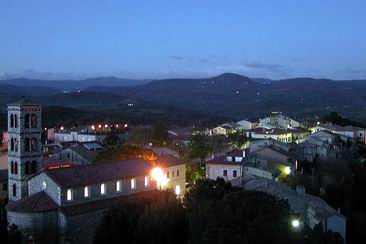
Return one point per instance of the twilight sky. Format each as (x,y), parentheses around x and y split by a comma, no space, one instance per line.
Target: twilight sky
(183,38)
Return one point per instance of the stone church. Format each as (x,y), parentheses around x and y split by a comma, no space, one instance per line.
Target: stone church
(62,205)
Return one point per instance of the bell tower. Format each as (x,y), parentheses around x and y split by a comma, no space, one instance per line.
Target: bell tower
(24,146)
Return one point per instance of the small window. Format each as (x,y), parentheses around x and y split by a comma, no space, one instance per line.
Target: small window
(172,173)
(167,174)
(44,185)
(69,195)
(102,189)
(177,172)
(86,191)
(234,173)
(118,186)
(146,181)
(14,190)
(133,183)
(225,172)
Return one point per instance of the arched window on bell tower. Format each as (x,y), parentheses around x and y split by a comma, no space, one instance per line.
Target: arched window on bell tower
(14,190)
(12,144)
(33,121)
(12,167)
(15,121)
(27,145)
(33,145)
(16,167)
(11,121)
(26,121)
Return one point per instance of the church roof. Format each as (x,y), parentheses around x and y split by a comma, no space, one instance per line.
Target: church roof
(97,173)
(38,202)
(23,102)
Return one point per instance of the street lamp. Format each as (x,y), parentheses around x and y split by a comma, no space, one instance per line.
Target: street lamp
(295,223)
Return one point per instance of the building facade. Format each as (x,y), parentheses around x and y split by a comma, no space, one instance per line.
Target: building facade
(24,146)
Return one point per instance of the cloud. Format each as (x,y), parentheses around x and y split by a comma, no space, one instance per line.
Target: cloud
(176,57)
(264,66)
(203,60)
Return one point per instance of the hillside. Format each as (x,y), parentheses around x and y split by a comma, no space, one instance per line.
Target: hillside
(227,95)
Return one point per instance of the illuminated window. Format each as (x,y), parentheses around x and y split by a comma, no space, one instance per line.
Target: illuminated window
(177,172)
(118,186)
(102,189)
(167,174)
(86,191)
(69,195)
(177,190)
(146,181)
(133,183)
(44,184)
(173,173)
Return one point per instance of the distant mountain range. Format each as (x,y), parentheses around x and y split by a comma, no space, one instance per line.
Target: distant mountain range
(74,85)
(227,95)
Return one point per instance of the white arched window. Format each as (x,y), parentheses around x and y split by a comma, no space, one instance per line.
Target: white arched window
(102,189)
(133,183)
(69,195)
(118,186)
(86,191)
(146,181)
(177,190)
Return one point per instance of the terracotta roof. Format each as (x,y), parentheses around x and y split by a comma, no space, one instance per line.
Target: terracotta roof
(96,173)
(38,202)
(168,160)
(222,160)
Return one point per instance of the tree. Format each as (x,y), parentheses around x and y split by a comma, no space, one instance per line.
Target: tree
(200,148)
(157,218)
(160,135)
(126,152)
(238,139)
(140,136)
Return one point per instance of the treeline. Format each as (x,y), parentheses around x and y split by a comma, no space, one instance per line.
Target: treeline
(212,212)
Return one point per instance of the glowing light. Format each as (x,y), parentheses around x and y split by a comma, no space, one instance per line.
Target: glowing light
(117,125)
(287,170)
(105,125)
(45,129)
(125,125)
(99,126)
(295,223)
(157,174)
(93,127)
(62,128)
(177,190)
(318,123)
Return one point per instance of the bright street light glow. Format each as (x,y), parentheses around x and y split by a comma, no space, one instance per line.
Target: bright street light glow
(158,175)
(295,223)
(287,170)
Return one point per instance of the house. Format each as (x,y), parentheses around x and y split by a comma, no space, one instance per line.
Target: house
(248,124)
(228,166)
(299,133)
(270,162)
(313,210)
(274,133)
(353,133)
(224,129)
(78,134)
(277,120)
(75,152)
(259,144)
(323,145)
(174,170)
